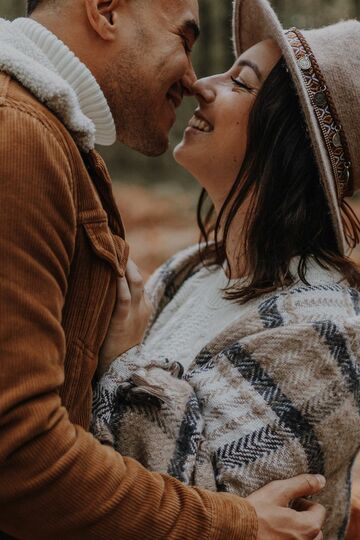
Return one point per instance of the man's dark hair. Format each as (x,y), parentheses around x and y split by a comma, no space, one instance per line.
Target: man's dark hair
(31,5)
(288,214)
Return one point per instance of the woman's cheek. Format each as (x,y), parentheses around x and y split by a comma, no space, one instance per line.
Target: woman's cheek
(236,146)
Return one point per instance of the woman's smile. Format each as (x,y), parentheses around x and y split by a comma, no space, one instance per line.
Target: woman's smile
(199,123)
(215,140)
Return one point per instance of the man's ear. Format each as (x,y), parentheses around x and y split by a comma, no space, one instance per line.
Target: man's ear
(102,16)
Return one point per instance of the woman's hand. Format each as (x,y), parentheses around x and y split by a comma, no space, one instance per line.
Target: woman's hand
(130,317)
(279,522)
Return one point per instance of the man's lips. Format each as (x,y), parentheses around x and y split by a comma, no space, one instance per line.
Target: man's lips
(175,98)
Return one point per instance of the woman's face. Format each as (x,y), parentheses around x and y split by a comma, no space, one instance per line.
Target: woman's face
(214,143)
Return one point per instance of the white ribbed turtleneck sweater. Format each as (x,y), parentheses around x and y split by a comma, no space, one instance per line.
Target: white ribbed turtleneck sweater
(65,64)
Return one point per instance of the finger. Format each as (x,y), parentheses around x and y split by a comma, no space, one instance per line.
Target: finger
(313,519)
(308,524)
(123,296)
(299,486)
(320,536)
(135,282)
(317,513)
(314,510)
(301,505)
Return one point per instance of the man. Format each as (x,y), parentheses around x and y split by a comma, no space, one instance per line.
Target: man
(62,247)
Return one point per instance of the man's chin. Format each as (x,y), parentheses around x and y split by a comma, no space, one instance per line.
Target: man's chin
(149,144)
(156,151)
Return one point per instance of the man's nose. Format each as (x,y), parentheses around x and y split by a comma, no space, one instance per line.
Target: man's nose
(189,80)
(204,90)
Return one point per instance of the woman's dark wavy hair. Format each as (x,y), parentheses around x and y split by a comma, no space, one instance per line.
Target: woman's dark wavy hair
(288,214)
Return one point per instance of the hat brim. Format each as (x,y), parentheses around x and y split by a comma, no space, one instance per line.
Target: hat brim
(255,21)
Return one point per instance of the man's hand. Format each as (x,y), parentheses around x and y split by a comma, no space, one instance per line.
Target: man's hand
(279,522)
(130,318)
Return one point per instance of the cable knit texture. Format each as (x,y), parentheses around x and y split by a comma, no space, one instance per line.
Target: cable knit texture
(274,392)
(196,314)
(62,248)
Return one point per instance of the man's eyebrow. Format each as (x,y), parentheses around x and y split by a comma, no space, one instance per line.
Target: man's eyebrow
(191,26)
(251,65)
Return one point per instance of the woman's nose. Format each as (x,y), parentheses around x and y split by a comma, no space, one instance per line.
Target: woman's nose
(204,90)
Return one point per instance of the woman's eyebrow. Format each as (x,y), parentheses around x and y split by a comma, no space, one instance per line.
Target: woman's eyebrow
(251,65)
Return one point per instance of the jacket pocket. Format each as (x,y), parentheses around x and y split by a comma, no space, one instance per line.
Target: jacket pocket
(107,245)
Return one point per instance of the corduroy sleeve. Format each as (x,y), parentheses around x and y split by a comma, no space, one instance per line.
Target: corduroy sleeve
(56,480)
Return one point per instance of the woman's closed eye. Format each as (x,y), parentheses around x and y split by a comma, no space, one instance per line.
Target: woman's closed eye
(242,85)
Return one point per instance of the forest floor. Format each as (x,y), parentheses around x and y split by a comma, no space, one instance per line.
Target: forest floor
(159,223)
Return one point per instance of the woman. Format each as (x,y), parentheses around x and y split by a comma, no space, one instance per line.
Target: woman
(249,370)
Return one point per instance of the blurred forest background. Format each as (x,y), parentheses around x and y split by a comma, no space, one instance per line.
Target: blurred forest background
(165,194)
(156,197)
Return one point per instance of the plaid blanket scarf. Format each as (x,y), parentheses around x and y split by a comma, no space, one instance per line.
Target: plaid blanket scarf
(276,394)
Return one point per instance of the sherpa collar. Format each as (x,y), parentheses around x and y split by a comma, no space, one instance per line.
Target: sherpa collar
(55,76)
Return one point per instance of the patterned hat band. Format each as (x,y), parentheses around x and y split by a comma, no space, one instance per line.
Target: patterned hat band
(325,112)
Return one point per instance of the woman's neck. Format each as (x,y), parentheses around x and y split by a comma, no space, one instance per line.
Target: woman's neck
(235,245)
(235,252)
(235,242)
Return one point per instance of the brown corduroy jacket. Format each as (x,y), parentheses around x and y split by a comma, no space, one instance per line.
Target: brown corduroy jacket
(61,247)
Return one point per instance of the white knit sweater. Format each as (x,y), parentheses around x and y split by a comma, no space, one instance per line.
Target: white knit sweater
(197,313)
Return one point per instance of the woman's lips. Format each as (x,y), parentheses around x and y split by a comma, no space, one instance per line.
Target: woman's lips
(200,123)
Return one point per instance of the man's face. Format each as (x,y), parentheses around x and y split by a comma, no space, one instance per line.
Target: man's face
(147,77)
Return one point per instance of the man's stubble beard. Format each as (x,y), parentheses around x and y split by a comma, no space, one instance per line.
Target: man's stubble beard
(133,110)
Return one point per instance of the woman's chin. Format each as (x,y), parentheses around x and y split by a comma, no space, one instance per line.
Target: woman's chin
(182,155)
(193,158)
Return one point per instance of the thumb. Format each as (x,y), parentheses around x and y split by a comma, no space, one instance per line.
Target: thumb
(301,486)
